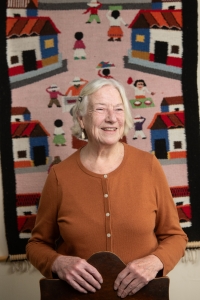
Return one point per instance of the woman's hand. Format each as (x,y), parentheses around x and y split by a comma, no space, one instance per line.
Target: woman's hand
(137,274)
(78,273)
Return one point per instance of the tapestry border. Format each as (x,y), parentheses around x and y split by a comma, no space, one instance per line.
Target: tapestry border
(190,95)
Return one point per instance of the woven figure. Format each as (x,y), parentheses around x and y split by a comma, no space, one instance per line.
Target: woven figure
(76,86)
(138,123)
(53,91)
(79,46)
(93,9)
(115,32)
(140,88)
(59,133)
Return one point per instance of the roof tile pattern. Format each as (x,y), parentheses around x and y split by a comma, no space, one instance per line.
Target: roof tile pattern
(27,129)
(29,26)
(168,120)
(27,199)
(22,4)
(180,191)
(165,19)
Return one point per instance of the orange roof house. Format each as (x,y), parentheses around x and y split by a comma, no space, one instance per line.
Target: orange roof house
(32,44)
(149,43)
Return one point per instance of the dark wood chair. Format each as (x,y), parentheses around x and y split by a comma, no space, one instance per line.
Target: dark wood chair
(109,266)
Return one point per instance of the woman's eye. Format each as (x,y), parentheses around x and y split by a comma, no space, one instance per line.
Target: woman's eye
(99,109)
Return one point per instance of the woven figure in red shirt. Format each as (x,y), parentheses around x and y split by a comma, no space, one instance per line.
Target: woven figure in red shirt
(93,9)
(53,91)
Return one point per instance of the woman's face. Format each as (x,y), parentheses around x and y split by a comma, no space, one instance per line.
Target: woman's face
(104,120)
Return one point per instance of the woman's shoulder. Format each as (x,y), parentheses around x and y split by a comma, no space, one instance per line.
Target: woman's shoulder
(141,159)
(129,149)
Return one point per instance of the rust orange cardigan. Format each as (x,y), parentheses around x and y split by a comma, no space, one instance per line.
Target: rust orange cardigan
(129,212)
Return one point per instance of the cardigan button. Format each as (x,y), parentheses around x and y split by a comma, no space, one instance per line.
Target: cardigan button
(106,195)
(107,214)
(108,235)
(105,176)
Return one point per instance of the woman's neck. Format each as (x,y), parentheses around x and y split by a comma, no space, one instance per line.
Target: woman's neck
(102,159)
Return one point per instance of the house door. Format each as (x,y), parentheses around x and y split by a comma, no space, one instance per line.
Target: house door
(160,149)
(161,50)
(39,156)
(29,60)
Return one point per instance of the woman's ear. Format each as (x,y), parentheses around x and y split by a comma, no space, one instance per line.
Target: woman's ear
(80,120)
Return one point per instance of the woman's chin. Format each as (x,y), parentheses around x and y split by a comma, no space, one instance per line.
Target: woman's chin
(110,140)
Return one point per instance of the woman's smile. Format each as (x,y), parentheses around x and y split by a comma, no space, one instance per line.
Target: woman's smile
(109,128)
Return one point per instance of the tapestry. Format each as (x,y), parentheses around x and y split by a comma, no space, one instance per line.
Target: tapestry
(51,49)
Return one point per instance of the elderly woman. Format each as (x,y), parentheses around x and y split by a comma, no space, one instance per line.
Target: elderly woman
(107,196)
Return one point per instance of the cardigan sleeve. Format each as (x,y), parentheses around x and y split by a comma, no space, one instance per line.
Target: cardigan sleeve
(171,238)
(41,246)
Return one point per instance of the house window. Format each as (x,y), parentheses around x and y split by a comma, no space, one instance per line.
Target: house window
(177,145)
(14,59)
(49,43)
(175,49)
(17,15)
(172,7)
(139,38)
(21,154)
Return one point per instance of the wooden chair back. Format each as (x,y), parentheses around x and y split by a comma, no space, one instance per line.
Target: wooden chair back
(109,265)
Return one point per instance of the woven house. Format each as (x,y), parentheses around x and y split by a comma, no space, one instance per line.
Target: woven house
(32,44)
(19,114)
(168,135)
(166,4)
(181,195)
(25,8)
(26,206)
(172,104)
(30,144)
(156,36)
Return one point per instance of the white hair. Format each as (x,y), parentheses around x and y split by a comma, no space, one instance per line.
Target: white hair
(80,108)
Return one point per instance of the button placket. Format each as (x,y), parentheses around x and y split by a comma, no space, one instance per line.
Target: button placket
(107,211)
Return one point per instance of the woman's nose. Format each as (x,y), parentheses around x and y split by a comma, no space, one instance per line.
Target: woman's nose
(110,116)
